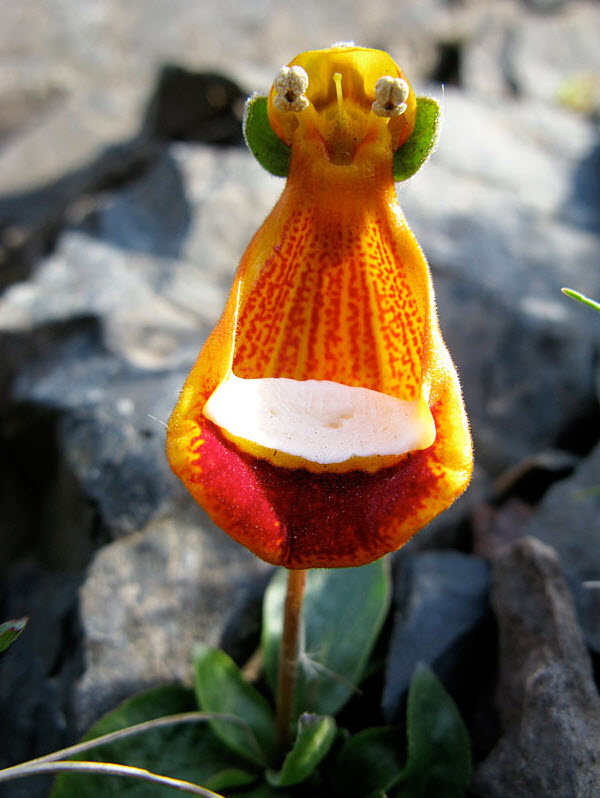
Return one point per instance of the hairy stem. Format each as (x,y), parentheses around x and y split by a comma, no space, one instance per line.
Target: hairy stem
(288,658)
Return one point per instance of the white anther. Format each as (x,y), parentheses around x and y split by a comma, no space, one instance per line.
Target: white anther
(390,96)
(290,85)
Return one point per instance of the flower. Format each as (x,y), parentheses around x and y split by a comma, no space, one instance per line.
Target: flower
(322,424)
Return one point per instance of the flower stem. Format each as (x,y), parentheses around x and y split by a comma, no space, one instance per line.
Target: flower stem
(288,658)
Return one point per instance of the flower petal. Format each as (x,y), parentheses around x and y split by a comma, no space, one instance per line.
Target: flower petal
(317,421)
(333,298)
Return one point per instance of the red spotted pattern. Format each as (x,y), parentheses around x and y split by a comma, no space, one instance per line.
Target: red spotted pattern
(333,301)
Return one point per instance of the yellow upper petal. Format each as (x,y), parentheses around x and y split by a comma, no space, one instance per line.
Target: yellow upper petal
(339,109)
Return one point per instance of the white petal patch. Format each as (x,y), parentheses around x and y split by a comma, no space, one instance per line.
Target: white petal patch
(319,420)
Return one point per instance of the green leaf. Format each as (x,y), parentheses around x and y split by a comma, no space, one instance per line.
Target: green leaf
(188,751)
(439,755)
(421,143)
(369,763)
(10,630)
(221,687)
(316,734)
(343,612)
(585,300)
(268,149)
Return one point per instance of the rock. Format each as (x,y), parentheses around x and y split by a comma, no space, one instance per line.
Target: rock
(137,219)
(568,519)
(148,598)
(183,106)
(495,528)
(195,106)
(532,477)
(539,52)
(500,518)
(41,181)
(45,512)
(38,671)
(440,612)
(588,605)
(553,51)
(548,703)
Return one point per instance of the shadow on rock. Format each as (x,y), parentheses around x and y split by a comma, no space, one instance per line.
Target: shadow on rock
(184,106)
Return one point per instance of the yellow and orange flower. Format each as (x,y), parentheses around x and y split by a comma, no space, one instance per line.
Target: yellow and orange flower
(322,424)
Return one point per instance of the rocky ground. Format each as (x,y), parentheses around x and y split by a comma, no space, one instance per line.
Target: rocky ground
(126,200)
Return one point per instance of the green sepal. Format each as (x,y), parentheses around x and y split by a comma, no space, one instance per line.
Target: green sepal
(316,734)
(10,630)
(188,751)
(421,143)
(343,611)
(221,687)
(439,753)
(268,149)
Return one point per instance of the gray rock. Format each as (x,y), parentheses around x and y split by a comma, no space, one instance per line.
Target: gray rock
(138,219)
(441,605)
(552,51)
(148,598)
(588,606)
(548,703)
(537,49)
(568,519)
(38,671)
(486,56)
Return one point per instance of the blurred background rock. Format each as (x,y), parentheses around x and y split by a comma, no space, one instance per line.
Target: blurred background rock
(126,201)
